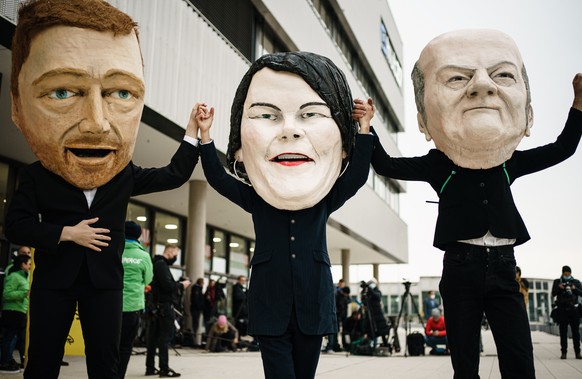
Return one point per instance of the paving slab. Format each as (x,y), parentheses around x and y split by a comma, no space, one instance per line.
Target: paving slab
(197,364)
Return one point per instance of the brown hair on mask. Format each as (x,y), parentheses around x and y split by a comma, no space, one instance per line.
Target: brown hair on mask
(35,16)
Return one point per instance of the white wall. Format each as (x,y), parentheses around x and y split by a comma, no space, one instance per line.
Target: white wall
(186,62)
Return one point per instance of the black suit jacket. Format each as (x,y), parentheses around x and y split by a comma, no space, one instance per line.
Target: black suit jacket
(291,266)
(44,203)
(472,202)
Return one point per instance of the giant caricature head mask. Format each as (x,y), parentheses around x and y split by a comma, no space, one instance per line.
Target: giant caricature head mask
(291,128)
(77,87)
(472,96)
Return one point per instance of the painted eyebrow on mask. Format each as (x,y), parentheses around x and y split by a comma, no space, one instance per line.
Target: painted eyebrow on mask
(313,103)
(269,105)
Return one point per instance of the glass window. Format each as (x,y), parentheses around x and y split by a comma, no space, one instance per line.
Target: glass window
(251,249)
(239,259)
(380,187)
(3,192)
(390,54)
(168,230)
(219,252)
(531,309)
(415,310)
(543,306)
(394,304)
(385,304)
(208,251)
(138,214)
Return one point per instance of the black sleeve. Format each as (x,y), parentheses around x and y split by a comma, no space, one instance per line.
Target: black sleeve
(164,278)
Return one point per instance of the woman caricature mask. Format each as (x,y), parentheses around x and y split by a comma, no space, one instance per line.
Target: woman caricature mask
(291,145)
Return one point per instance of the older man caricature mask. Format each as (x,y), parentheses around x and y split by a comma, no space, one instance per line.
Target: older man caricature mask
(472,97)
(79,102)
(291,128)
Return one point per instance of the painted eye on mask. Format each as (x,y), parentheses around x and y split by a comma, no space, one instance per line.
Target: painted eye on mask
(121,94)
(61,94)
(264,116)
(308,115)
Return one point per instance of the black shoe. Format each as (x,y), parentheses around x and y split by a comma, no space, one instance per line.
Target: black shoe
(169,374)
(578,356)
(63,363)
(152,372)
(563,356)
(10,368)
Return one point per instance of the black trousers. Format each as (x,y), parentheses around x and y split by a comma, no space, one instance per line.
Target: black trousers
(160,333)
(569,317)
(293,355)
(129,327)
(13,335)
(479,280)
(51,316)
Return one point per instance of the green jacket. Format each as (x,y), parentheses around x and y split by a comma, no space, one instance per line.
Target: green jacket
(15,295)
(137,273)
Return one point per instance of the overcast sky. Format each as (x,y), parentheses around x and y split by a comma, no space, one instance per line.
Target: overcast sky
(549,37)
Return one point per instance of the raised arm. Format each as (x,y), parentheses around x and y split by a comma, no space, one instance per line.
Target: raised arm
(229,187)
(577,84)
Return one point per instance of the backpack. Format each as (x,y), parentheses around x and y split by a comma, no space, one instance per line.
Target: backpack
(415,343)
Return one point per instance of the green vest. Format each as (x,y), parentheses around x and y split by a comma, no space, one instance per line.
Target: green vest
(137,273)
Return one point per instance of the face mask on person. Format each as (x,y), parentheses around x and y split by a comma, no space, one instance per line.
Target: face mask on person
(567,277)
(172,260)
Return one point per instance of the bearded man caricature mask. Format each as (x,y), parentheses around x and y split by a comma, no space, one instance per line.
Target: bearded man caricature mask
(291,128)
(79,102)
(472,96)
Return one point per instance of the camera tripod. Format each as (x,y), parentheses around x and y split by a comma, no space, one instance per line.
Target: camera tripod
(405,296)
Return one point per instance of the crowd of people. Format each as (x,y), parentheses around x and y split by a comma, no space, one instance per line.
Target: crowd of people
(152,298)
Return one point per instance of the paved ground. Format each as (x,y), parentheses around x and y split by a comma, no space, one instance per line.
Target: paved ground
(196,364)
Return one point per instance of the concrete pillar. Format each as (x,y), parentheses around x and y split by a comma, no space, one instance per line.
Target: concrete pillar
(195,244)
(376,271)
(346,265)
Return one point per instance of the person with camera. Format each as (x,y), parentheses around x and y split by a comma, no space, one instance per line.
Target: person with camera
(375,322)
(164,289)
(566,290)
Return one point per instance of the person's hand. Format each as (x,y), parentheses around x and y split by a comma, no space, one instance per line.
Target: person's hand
(204,118)
(85,235)
(359,110)
(363,112)
(192,128)
(577,84)
(186,283)
(561,286)
(435,333)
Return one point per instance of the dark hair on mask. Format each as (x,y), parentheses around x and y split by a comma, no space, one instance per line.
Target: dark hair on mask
(322,75)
